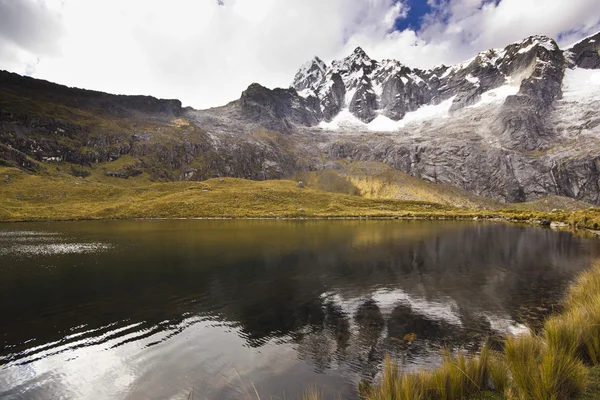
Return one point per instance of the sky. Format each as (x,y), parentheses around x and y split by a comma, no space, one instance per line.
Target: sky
(206,52)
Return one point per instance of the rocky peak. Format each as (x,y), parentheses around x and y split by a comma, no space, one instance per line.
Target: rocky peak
(310,75)
(585,53)
(359,56)
(278,109)
(358,61)
(531,45)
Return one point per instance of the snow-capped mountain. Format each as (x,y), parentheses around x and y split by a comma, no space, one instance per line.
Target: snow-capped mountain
(369,89)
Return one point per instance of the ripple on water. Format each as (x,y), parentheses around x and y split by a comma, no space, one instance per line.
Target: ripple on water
(14,234)
(34,243)
(54,248)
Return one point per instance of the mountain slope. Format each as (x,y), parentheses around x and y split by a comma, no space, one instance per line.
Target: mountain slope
(513,124)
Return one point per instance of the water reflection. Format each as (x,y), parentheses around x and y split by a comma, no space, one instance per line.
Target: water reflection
(170,305)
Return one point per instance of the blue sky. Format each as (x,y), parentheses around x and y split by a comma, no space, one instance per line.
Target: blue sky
(417,9)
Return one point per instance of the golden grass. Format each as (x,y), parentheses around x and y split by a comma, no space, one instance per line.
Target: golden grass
(376,180)
(458,377)
(540,371)
(57,195)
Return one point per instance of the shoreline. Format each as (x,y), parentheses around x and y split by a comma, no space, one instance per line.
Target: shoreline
(558,225)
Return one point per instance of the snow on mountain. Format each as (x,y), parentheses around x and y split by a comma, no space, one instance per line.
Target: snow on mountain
(344,119)
(310,75)
(381,123)
(581,85)
(383,91)
(428,112)
(497,95)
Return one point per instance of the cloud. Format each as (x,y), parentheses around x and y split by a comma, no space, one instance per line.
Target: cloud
(27,28)
(205,52)
(29,24)
(456,30)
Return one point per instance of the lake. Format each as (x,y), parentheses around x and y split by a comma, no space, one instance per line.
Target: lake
(161,309)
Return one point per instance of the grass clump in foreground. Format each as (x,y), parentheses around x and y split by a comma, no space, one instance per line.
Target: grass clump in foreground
(563,362)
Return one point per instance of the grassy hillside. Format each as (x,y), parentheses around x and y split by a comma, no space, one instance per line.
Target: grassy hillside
(59,195)
(376,180)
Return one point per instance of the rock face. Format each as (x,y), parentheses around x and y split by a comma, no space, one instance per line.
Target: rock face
(278,109)
(585,54)
(513,124)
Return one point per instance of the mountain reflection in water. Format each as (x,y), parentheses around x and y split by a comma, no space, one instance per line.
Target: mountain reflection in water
(151,309)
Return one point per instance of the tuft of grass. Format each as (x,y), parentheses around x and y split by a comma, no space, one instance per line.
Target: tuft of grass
(578,328)
(499,374)
(80,172)
(458,377)
(543,371)
(584,290)
(523,355)
(312,393)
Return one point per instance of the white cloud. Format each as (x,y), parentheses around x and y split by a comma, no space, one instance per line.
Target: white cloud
(196,50)
(458,29)
(205,53)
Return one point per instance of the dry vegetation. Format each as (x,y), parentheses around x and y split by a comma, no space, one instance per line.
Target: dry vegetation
(59,195)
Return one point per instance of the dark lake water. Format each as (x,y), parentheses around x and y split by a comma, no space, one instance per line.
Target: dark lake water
(156,309)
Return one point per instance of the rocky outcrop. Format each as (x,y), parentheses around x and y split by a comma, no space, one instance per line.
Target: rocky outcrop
(364,102)
(585,54)
(332,97)
(310,75)
(278,109)
(113,105)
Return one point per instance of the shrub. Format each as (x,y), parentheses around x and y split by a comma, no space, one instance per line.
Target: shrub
(80,172)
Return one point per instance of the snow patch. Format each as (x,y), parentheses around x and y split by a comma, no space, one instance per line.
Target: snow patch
(306,93)
(416,78)
(343,120)
(496,95)
(473,79)
(381,123)
(384,124)
(457,67)
(349,95)
(581,85)
(538,40)
(528,48)
(378,89)
(548,45)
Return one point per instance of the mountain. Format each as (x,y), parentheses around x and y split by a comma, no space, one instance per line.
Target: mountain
(513,124)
